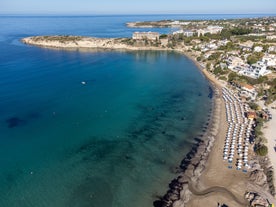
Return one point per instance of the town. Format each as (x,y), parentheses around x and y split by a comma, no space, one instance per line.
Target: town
(240,51)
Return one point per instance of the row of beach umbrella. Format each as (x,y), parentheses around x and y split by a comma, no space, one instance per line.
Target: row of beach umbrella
(238,133)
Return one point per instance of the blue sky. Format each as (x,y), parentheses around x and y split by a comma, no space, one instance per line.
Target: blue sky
(136,7)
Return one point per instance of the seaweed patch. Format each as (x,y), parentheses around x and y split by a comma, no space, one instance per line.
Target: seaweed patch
(14,122)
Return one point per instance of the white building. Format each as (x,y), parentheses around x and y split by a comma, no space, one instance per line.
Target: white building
(186,33)
(145,35)
(248,91)
(214,29)
(258,49)
(234,61)
(272,37)
(210,29)
(272,49)
(178,23)
(269,60)
(254,71)
(258,69)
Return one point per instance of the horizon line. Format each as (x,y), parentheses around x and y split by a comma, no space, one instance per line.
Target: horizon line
(127,14)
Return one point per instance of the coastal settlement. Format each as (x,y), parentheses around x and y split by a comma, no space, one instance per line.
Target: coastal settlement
(230,165)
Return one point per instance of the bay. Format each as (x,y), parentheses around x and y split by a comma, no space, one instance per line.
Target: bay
(93,128)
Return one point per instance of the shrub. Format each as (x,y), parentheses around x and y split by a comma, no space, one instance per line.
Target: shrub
(262,150)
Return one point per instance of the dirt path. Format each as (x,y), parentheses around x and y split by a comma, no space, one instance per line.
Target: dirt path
(217,189)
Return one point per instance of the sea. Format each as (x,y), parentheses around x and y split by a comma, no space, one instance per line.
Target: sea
(94,128)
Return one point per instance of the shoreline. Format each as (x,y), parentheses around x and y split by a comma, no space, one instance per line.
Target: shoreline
(190,185)
(270,134)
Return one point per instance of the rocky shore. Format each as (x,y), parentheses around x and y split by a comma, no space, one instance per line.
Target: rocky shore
(193,164)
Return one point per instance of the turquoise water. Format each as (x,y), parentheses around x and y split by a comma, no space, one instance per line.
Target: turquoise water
(114,141)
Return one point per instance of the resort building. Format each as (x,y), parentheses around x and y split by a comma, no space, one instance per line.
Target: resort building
(186,33)
(259,69)
(214,29)
(245,90)
(209,29)
(234,62)
(248,91)
(255,71)
(145,36)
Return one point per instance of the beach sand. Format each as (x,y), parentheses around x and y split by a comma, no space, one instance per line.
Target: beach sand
(216,172)
(270,135)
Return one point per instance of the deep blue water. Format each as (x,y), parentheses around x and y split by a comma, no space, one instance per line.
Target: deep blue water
(111,142)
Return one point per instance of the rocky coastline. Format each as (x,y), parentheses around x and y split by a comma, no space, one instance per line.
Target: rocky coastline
(194,163)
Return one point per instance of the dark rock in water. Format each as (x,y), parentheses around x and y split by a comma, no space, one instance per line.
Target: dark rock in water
(14,122)
(159,203)
(197,140)
(127,157)
(211,92)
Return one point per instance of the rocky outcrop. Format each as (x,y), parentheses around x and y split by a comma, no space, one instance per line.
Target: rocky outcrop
(259,178)
(256,199)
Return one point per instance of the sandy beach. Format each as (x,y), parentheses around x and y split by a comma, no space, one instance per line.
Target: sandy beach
(216,173)
(270,135)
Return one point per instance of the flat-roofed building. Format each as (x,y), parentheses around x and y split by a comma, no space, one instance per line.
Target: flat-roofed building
(145,35)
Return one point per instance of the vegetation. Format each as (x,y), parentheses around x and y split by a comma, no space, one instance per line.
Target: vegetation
(253,106)
(254,57)
(214,56)
(240,31)
(61,38)
(259,138)
(261,150)
(163,36)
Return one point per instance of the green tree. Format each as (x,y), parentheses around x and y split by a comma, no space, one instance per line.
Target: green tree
(226,34)
(261,150)
(251,59)
(208,66)
(232,76)
(163,36)
(253,106)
